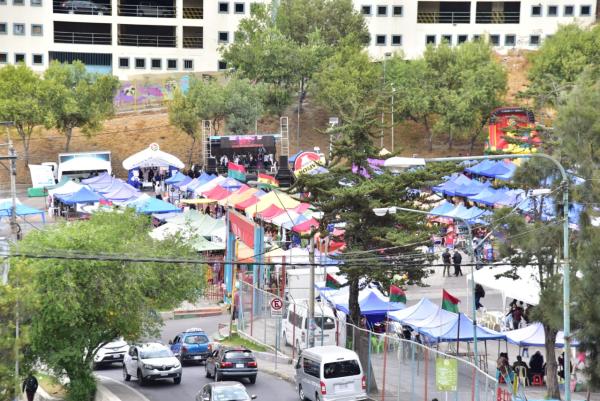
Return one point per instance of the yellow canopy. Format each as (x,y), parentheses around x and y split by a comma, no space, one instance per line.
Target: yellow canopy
(279,199)
(198,201)
(244,253)
(234,198)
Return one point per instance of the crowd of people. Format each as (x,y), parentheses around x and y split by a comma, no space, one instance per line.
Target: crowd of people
(520,369)
(252,161)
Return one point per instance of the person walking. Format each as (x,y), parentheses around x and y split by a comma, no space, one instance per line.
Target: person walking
(30,386)
(446,259)
(479,293)
(457,259)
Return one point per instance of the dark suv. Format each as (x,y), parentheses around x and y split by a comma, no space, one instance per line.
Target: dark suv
(192,345)
(232,362)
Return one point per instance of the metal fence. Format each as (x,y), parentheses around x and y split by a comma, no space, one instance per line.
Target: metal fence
(398,369)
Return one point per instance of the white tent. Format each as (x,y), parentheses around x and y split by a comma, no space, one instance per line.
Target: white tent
(70,187)
(526,288)
(209,185)
(152,157)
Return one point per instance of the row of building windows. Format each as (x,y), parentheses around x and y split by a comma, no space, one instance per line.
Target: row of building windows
(36,59)
(19,29)
(34,3)
(140,63)
(238,8)
(510,40)
(382,11)
(554,11)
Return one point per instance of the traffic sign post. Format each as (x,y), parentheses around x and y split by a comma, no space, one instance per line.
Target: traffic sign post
(276,307)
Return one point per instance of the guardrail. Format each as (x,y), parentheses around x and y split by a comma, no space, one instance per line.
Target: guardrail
(88,38)
(193,42)
(497,17)
(442,17)
(193,12)
(147,40)
(81,7)
(141,10)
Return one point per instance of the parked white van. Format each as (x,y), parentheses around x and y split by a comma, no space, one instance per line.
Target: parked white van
(295,325)
(330,373)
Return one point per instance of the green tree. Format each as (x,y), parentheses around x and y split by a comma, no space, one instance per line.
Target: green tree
(560,60)
(22,102)
(77,98)
(182,114)
(83,304)
(243,104)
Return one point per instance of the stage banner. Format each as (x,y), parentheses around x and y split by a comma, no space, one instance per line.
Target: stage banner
(41,176)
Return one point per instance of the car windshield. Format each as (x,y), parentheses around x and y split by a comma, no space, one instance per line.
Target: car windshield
(325,322)
(196,339)
(156,353)
(233,393)
(341,369)
(238,354)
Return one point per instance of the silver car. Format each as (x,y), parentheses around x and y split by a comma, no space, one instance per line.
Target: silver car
(151,361)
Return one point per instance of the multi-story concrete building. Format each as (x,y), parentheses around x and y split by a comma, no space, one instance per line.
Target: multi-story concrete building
(133,37)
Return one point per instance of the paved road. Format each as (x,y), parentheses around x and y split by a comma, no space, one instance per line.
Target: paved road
(267,388)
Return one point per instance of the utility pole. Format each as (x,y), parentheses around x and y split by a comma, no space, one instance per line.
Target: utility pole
(311,293)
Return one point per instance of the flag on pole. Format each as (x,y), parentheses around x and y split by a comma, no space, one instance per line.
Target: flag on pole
(331,282)
(397,294)
(267,180)
(236,171)
(449,302)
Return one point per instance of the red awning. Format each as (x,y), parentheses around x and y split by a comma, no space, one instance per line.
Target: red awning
(217,193)
(306,227)
(253,200)
(271,212)
(301,208)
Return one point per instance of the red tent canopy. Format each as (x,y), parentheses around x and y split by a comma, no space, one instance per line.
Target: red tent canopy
(271,212)
(253,200)
(306,226)
(217,193)
(301,208)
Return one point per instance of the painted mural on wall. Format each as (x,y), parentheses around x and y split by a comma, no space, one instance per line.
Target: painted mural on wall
(139,95)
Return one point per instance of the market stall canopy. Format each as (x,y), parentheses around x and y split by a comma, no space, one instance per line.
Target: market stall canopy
(489,196)
(108,186)
(104,177)
(534,335)
(525,288)
(460,328)
(197,201)
(182,183)
(192,238)
(238,196)
(84,195)
(207,186)
(21,209)
(152,157)
(438,318)
(419,311)
(271,212)
(500,169)
(442,209)
(199,224)
(279,199)
(477,168)
(306,226)
(453,182)
(69,187)
(373,307)
(124,193)
(178,177)
(147,205)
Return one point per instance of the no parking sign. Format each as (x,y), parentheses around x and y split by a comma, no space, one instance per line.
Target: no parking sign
(276,307)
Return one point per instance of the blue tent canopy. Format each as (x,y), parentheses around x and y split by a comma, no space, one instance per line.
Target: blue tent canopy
(512,197)
(103,178)
(473,188)
(437,318)
(186,180)
(534,335)
(476,169)
(373,307)
(499,169)
(153,205)
(419,311)
(22,210)
(442,208)
(84,195)
(459,328)
(107,187)
(490,196)
(178,177)
(452,183)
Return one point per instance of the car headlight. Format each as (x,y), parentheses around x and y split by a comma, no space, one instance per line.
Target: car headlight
(148,367)
(177,366)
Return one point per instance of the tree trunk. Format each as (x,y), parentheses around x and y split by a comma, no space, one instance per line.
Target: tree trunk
(191,151)
(450,139)
(472,143)
(25,134)
(69,135)
(552,391)
(429,134)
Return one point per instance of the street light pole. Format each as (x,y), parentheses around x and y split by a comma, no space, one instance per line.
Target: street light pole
(405,162)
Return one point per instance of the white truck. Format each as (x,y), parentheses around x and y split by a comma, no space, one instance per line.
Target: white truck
(81,164)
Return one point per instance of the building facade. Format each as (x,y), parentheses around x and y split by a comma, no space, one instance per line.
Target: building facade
(133,37)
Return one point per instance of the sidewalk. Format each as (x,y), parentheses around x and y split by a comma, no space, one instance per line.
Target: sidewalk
(108,390)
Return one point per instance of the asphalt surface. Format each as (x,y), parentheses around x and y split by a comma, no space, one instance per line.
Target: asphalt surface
(266,388)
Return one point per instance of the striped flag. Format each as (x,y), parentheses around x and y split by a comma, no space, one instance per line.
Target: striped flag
(331,282)
(397,294)
(267,180)
(236,171)
(449,302)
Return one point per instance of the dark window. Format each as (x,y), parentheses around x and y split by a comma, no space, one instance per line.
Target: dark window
(172,64)
(223,7)
(334,370)
(380,40)
(223,37)
(536,11)
(534,40)
(19,58)
(476,38)
(495,40)
(18,2)
(397,11)
(222,65)
(569,11)
(140,63)
(396,40)
(461,39)
(430,39)
(3,58)
(240,8)
(2,2)
(366,10)
(381,10)
(229,355)
(3,28)
(156,63)
(311,367)
(36,3)
(447,39)
(585,11)
(510,40)
(123,62)
(104,59)
(188,64)
(38,59)
(325,322)
(552,11)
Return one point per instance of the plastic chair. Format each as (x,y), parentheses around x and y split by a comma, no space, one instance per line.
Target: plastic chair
(522,375)
(537,380)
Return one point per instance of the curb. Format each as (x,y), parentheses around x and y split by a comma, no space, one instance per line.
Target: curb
(273,372)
